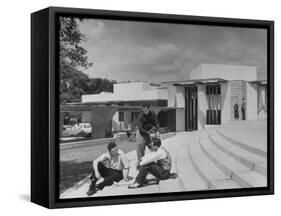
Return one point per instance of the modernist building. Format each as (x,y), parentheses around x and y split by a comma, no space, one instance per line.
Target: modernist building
(207,98)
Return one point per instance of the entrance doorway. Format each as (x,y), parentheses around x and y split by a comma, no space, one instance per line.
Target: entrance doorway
(191,115)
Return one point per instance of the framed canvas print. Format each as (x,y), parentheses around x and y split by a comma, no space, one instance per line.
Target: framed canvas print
(139,107)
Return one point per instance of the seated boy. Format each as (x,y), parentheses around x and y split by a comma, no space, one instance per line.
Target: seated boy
(109,166)
(158,162)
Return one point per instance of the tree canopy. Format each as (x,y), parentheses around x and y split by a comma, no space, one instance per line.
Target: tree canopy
(73,82)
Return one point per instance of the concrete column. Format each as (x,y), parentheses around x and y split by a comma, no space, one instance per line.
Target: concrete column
(180,121)
(127,118)
(226,106)
(100,120)
(202,106)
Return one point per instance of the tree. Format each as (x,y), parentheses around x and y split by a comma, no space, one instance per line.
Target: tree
(72,55)
(73,82)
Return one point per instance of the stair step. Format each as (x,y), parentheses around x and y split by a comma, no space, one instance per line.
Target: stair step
(213,177)
(226,184)
(230,166)
(249,159)
(243,145)
(187,175)
(256,179)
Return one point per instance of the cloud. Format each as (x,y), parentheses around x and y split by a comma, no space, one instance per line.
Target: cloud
(124,50)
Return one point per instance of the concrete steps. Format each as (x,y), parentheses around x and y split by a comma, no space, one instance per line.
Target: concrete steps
(218,161)
(247,158)
(188,176)
(242,145)
(212,175)
(231,166)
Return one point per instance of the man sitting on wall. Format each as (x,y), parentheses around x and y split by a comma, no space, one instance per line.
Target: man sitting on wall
(158,163)
(147,121)
(109,166)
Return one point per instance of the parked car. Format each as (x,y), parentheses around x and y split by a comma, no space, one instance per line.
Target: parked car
(85,127)
(74,130)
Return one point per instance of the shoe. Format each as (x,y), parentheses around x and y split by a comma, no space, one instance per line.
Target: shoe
(134,185)
(145,182)
(173,176)
(154,181)
(92,190)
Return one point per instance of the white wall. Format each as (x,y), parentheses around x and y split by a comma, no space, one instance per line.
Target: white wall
(171,96)
(180,97)
(202,106)
(176,96)
(180,119)
(226,109)
(129,92)
(252,101)
(228,72)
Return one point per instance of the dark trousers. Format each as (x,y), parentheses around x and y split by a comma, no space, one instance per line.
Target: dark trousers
(243,115)
(155,169)
(109,175)
(236,114)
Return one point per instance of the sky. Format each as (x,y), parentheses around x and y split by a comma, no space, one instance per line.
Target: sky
(156,52)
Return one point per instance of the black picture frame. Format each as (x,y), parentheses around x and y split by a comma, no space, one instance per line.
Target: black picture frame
(45,106)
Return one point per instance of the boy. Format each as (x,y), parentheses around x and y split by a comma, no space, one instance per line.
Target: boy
(158,163)
(109,166)
(147,121)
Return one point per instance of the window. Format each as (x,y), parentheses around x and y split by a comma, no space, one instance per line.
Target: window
(213,93)
(121,116)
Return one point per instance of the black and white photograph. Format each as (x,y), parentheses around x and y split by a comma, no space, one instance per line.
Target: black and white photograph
(155,107)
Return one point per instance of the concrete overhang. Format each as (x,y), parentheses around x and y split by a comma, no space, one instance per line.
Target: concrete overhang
(196,81)
(89,107)
(259,82)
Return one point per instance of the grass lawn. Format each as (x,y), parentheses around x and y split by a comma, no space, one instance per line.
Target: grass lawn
(76,164)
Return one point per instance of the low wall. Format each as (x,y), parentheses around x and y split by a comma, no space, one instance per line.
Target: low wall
(80,144)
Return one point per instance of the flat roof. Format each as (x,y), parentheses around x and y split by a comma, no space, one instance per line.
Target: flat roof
(259,82)
(190,82)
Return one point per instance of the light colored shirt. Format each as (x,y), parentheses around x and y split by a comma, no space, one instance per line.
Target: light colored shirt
(153,156)
(118,162)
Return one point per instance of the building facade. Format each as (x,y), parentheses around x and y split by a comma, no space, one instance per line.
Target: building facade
(206,99)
